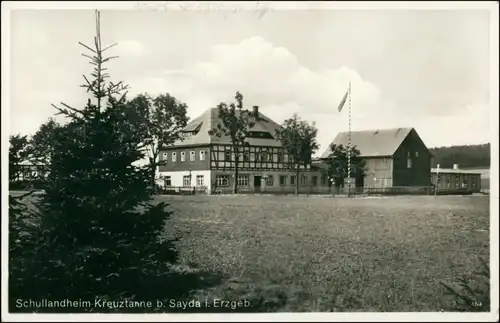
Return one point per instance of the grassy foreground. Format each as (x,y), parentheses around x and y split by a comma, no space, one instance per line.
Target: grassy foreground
(288,253)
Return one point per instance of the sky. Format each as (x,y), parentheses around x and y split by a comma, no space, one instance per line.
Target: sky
(424,69)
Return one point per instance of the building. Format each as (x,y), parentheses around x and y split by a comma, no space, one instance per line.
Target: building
(455,178)
(485,176)
(207,162)
(30,172)
(394,157)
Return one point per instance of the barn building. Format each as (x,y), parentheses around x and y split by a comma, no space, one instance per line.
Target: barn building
(207,163)
(456,178)
(394,157)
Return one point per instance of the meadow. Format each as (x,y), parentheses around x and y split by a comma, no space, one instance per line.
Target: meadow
(286,253)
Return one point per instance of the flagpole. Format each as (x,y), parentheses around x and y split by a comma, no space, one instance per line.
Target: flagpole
(349,147)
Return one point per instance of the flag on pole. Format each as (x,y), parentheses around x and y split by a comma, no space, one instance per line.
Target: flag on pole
(341,105)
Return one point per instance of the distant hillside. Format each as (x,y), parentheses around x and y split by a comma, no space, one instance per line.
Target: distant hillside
(464,156)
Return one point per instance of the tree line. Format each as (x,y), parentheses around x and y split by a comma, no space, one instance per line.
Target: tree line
(465,156)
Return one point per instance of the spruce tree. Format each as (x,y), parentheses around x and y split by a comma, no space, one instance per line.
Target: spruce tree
(100,235)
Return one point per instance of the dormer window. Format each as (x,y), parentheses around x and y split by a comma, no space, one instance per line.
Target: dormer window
(260,134)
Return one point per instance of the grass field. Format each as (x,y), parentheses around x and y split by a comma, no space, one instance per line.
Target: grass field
(332,254)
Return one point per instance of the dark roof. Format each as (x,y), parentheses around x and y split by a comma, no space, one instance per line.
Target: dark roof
(372,143)
(209,120)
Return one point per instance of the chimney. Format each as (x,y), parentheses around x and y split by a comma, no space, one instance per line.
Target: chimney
(255,110)
(455,166)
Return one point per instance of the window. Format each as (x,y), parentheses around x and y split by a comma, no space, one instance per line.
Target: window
(227,155)
(186,180)
(246,156)
(263,156)
(199,180)
(408,162)
(183,156)
(281,157)
(165,156)
(222,180)
(168,181)
(292,180)
(202,155)
(242,180)
(304,180)
(269,180)
(324,179)
(174,157)
(416,154)
(282,180)
(315,180)
(457,184)
(192,156)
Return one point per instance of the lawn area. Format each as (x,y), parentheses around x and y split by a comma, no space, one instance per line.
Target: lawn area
(288,253)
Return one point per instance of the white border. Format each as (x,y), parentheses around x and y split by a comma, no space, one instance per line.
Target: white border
(263,6)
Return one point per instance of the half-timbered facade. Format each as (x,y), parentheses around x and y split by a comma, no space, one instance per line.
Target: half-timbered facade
(208,162)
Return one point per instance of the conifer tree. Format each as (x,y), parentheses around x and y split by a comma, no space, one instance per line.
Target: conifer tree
(100,236)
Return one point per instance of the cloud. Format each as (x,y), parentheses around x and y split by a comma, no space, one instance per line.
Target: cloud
(271,75)
(267,75)
(130,48)
(273,78)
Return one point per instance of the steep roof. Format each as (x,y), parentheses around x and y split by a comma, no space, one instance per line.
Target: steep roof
(209,120)
(372,143)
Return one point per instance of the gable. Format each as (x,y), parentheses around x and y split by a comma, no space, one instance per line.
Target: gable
(414,139)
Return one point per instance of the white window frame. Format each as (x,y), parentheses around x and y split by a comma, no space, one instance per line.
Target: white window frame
(200,180)
(183,156)
(165,156)
(192,155)
(303,180)
(168,178)
(222,180)
(174,157)
(188,177)
(243,180)
(202,155)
